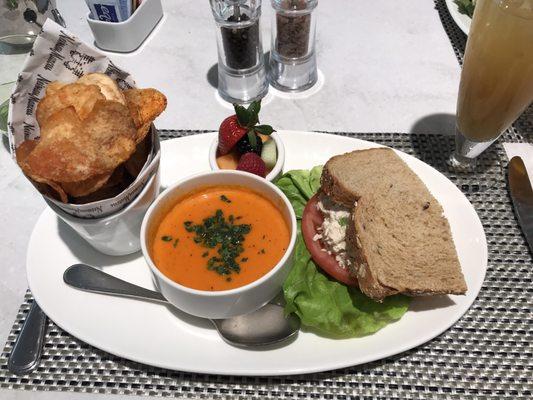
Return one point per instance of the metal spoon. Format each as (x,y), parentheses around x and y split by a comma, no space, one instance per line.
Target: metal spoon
(266,326)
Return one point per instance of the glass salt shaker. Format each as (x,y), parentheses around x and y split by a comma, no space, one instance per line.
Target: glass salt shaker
(241,69)
(292,57)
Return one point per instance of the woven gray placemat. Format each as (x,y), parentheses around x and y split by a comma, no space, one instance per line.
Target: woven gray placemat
(487,354)
(522,129)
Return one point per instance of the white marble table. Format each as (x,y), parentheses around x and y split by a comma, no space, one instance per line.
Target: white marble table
(388,67)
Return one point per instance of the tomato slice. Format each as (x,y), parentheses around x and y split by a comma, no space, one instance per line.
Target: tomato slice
(312,218)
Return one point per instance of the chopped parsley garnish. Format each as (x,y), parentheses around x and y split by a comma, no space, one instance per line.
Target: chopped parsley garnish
(225,235)
(166,238)
(225,199)
(343,221)
(176,241)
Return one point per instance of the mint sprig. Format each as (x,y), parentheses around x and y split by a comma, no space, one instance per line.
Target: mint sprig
(243,115)
(252,138)
(264,129)
(248,117)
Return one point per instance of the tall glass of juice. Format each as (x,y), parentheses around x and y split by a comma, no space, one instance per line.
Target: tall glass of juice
(497,78)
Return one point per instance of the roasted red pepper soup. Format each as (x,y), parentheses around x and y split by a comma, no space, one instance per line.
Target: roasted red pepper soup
(220,238)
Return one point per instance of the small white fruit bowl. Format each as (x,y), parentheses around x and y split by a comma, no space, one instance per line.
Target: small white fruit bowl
(272,175)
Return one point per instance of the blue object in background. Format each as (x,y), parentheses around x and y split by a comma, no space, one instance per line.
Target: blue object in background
(106,12)
(110,10)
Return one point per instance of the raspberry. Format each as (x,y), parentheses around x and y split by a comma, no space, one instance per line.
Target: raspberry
(252,163)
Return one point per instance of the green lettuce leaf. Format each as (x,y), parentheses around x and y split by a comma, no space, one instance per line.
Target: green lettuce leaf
(331,308)
(314,178)
(299,186)
(322,304)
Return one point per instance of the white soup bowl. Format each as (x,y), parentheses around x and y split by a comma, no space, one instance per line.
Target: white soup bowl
(224,303)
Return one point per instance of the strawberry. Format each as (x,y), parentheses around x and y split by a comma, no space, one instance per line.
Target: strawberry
(243,122)
(252,163)
(229,133)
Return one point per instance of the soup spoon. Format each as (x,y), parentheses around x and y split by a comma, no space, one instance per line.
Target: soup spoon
(265,326)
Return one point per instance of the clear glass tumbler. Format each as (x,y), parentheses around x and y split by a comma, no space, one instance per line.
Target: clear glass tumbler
(292,57)
(497,77)
(5,93)
(241,69)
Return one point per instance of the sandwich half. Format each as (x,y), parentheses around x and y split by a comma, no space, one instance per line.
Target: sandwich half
(396,237)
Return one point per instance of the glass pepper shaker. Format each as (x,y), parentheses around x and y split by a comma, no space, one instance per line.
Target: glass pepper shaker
(292,57)
(241,70)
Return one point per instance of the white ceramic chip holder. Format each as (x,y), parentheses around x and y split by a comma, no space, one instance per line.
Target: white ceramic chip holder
(128,35)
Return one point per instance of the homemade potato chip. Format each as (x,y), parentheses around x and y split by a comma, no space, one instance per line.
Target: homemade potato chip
(54,87)
(72,151)
(25,149)
(136,162)
(81,97)
(145,105)
(92,141)
(108,86)
(83,188)
(49,188)
(110,125)
(117,183)
(60,154)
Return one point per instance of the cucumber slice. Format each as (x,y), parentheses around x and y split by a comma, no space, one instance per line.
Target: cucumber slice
(269,153)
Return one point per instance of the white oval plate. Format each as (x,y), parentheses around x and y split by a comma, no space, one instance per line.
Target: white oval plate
(463,21)
(156,335)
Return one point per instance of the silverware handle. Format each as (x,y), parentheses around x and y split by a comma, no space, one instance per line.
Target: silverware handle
(58,17)
(27,351)
(89,279)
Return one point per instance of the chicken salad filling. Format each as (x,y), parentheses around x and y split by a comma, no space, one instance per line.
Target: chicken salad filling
(332,232)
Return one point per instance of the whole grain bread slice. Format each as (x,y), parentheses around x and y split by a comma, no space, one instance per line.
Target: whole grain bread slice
(398,235)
